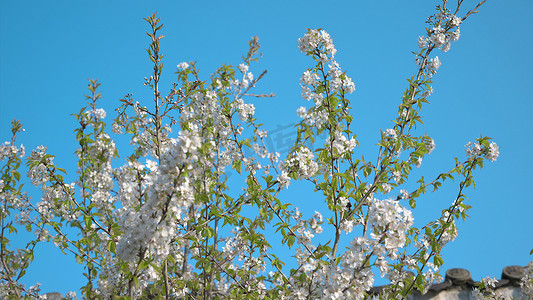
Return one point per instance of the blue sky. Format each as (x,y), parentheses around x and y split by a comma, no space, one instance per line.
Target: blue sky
(48,50)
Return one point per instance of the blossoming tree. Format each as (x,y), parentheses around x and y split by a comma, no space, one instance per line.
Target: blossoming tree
(167,223)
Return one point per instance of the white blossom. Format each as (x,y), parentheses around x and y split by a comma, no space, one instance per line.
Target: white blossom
(422,42)
(183,66)
(314,39)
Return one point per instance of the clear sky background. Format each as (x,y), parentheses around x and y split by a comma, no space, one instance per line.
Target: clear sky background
(48,50)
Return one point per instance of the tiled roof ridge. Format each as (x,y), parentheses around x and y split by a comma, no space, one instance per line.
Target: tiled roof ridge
(459,278)
(511,275)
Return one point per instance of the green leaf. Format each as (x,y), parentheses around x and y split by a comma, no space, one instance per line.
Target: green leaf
(367,170)
(237,166)
(291,240)
(428,232)
(111,246)
(438,261)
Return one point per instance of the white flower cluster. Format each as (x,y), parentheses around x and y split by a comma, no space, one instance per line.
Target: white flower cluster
(404,194)
(183,66)
(116,128)
(339,80)
(100,178)
(434,65)
(98,113)
(38,174)
(284,179)
(476,149)
(350,279)
(318,40)
(238,256)
(451,232)
(306,229)
(340,143)
(243,68)
(527,282)
(424,242)
(319,44)
(390,221)
(205,111)
(347,280)
(430,145)
(8,151)
(440,37)
(391,133)
(246,110)
(316,221)
(247,78)
(487,291)
(494,151)
(315,118)
(396,175)
(166,186)
(170,185)
(52,196)
(346,225)
(309,79)
(427,91)
(445,31)
(204,107)
(422,42)
(302,162)
(489,282)
(443,40)
(142,136)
